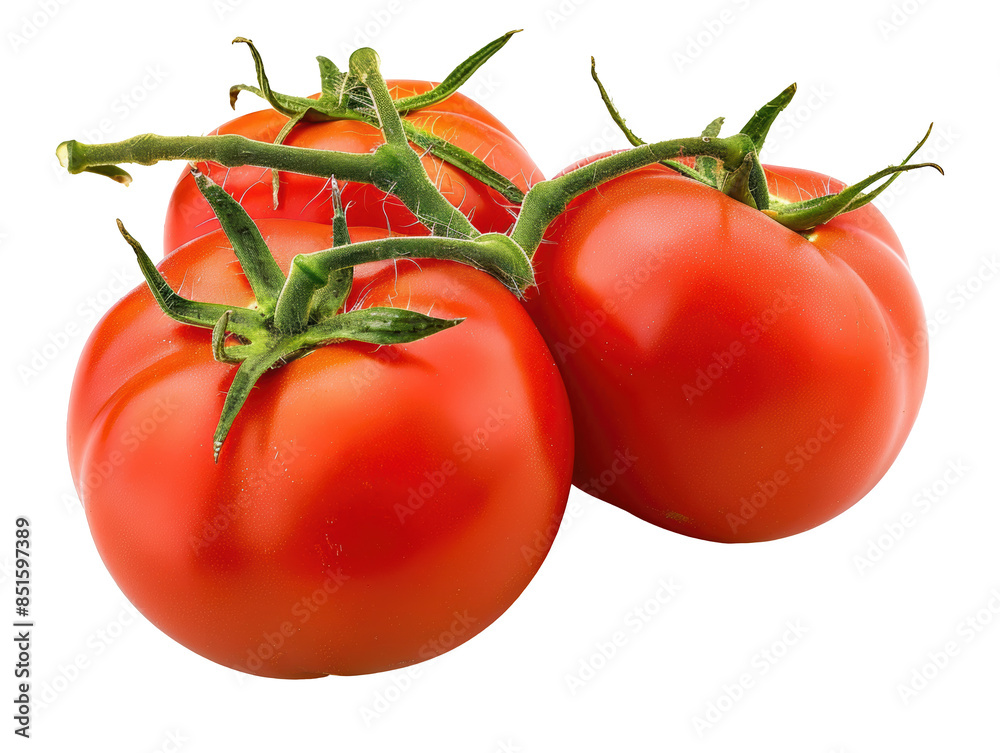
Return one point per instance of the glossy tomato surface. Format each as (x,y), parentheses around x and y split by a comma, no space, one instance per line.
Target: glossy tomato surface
(730,379)
(458,119)
(371,508)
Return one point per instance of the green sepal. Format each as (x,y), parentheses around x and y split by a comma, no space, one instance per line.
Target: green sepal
(295,109)
(341,94)
(255,258)
(197,313)
(612,110)
(802,216)
(279,102)
(263,345)
(220,351)
(713,129)
(759,125)
(748,183)
(244,379)
(280,139)
(462,73)
(737,184)
(379,325)
(332,79)
(376,325)
(467,162)
(635,140)
(283,103)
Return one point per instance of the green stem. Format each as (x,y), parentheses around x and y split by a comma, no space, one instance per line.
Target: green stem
(229,151)
(388,168)
(548,199)
(410,182)
(331,296)
(493,253)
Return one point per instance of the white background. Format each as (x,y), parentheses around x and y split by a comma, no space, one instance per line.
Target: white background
(871,76)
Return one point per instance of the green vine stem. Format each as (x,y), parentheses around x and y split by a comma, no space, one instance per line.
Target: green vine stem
(549,198)
(229,150)
(493,253)
(405,176)
(383,168)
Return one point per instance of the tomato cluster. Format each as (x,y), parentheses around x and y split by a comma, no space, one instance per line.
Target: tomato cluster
(681,355)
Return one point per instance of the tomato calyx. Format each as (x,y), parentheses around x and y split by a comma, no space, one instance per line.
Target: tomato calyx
(747,183)
(344,96)
(289,319)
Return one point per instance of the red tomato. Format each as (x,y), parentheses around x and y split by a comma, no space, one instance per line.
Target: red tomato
(372,507)
(457,119)
(730,379)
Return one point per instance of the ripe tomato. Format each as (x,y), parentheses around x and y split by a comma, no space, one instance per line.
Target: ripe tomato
(730,379)
(458,119)
(372,507)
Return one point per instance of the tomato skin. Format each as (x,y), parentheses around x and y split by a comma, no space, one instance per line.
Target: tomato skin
(371,508)
(302,197)
(729,379)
